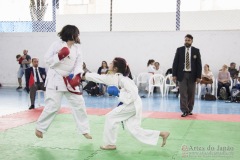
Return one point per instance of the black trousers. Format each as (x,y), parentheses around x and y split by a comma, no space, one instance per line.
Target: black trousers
(187,93)
(220,85)
(33,89)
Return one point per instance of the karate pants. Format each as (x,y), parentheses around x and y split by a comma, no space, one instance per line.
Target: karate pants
(53,104)
(132,124)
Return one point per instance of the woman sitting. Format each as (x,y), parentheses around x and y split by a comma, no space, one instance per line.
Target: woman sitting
(223,80)
(206,82)
(103,70)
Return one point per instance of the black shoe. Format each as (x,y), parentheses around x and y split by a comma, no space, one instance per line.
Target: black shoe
(177,94)
(184,114)
(19,87)
(32,107)
(220,98)
(190,113)
(202,97)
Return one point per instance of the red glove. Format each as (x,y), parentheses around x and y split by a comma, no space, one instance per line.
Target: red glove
(75,81)
(20,60)
(64,52)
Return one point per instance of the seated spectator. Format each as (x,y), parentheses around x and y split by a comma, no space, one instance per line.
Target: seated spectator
(103,70)
(35,79)
(151,70)
(223,80)
(150,66)
(157,68)
(169,71)
(206,81)
(233,71)
(237,83)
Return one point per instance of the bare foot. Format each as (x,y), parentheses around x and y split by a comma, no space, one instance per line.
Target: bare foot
(108,147)
(86,135)
(164,136)
(38,134)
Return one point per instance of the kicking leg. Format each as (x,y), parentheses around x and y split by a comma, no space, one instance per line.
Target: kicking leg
(164,136)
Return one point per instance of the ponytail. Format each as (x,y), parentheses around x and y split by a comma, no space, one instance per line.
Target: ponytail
(122,66)
(128,72)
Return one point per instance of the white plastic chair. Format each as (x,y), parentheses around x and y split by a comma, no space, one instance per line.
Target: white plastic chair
(168,82)
(38,94)
(156,80)
(213,87)
(142,78)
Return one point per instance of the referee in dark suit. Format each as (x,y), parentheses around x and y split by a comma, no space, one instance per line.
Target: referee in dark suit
(187,70)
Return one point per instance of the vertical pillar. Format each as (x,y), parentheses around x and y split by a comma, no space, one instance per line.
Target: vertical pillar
(111,16)
(55,4)
(178,15)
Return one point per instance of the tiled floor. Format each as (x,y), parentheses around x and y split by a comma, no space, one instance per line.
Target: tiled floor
(13,101)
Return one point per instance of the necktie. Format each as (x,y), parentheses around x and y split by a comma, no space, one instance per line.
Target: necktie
(37,76)
(187,59)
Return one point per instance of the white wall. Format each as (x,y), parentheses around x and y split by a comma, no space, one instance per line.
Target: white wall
(217,48)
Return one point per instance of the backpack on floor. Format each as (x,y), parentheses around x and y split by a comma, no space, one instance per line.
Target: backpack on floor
(223,93)
(209,97)
(92,89)
(235,95)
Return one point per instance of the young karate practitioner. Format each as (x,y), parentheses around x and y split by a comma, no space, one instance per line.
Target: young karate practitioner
(130,111)
(63,78)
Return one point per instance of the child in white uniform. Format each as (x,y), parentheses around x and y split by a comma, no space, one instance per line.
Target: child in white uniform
(64,58)
(129,112)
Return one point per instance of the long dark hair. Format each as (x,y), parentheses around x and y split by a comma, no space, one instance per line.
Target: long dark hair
(150,61)
(105,63)
(122,66)
(69,33)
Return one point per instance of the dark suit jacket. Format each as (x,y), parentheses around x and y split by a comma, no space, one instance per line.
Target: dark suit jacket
(179,63)
(28,73)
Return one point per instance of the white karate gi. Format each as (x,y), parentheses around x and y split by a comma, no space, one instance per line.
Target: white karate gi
(151,70)
(130,112)
(56,88)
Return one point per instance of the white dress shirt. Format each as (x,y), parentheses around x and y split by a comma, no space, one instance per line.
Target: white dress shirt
(189,50)
(39,75)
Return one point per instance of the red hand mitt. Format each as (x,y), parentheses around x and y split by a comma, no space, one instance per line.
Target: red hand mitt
(64,52)
(75,81)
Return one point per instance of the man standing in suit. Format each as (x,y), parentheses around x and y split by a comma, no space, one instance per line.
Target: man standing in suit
(187,70)
(35,79)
